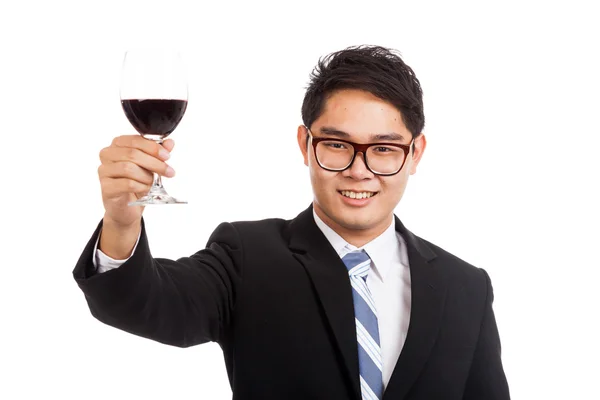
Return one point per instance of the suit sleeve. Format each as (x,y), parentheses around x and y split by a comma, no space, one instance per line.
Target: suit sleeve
(180,302)
(487,379)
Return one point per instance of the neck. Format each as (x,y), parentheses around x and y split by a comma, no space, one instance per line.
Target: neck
(355,236)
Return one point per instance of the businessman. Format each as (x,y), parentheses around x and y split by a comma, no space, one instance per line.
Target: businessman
(341,302)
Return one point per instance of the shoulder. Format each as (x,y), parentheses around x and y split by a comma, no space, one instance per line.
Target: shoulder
(268,229)
(450,260)
(268,226)
(457,270)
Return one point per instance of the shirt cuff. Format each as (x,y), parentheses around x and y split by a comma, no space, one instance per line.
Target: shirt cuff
(103,263)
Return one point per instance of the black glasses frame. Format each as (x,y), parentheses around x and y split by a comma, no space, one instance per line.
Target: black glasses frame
(359,148)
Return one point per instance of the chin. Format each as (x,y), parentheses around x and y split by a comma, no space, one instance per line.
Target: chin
(357,225)
(353,219)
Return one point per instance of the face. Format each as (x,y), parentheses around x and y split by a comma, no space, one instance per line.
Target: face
(361,117)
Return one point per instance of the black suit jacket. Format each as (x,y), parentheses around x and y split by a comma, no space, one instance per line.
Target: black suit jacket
(277,298)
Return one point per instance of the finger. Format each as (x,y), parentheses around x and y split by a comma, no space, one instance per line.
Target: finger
(169,144)
(113,187)
(125,170)
(135,156)
(138,142)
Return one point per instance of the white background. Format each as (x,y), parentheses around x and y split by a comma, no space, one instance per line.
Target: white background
(509,181)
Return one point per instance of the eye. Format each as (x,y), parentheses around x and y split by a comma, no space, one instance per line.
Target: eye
(336,145)
(383,149)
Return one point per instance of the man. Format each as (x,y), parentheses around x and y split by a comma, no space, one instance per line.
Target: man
(341,302)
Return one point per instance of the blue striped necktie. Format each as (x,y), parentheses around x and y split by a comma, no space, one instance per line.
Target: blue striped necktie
(367,330)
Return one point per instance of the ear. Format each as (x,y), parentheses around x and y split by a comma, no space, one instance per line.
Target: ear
(419,148)
(302,143)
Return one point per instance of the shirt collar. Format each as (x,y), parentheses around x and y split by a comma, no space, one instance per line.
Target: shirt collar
(383,250)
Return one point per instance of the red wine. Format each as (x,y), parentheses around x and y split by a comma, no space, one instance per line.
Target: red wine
(154,118)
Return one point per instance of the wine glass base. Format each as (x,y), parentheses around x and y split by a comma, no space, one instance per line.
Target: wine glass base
(156,199)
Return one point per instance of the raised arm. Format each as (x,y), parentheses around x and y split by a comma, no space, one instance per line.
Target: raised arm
(180,302)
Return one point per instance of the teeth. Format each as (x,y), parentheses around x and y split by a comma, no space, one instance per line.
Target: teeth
(357,195)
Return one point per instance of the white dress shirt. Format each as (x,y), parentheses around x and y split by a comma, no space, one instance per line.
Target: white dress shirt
(388,281)
(104,263)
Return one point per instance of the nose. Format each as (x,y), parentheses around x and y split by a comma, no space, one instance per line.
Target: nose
(358,169)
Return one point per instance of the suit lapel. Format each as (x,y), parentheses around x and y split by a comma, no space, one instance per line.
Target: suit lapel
(332,285)
(428,292)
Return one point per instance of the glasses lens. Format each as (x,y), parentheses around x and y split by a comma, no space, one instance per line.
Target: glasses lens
(333,154)
(385,159)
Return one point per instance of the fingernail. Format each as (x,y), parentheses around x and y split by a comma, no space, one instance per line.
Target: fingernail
(164,154)
(170,172)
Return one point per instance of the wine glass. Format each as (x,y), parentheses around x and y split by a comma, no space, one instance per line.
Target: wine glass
(154,97)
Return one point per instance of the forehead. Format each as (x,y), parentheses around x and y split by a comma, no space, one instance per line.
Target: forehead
(361,114)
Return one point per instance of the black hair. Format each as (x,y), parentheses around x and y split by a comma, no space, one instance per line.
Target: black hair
(375,69)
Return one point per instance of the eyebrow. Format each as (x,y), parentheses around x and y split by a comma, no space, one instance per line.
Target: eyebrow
(377,137)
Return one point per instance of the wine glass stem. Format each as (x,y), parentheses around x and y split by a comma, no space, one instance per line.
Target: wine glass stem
(157,187)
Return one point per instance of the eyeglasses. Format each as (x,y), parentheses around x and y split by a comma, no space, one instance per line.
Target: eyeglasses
(337,155)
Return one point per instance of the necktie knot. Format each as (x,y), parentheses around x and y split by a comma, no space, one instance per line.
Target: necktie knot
(358,263)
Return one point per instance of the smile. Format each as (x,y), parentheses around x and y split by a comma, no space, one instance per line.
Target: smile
(357,195)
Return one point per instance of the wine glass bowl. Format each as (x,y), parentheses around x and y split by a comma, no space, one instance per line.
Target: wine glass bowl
(154,119)
(154,97)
